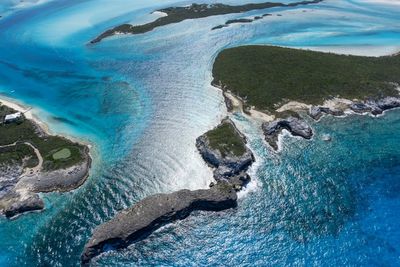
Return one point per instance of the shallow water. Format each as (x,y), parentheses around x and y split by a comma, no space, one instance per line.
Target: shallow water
(142,100)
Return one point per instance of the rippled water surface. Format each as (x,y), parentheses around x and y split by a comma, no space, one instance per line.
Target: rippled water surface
(142,101)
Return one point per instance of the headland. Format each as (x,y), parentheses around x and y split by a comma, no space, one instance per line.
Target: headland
(34,161)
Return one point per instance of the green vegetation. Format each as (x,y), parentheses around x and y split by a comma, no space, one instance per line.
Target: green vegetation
(62,154)
(19,153)
(194,11)
(227,140)
(267,76)
(26,131)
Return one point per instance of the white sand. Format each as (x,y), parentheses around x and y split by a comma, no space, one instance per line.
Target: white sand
(366,50)
(293,106)
(28,112)
(237,104)
(160,14)
(337,103)
(258,115)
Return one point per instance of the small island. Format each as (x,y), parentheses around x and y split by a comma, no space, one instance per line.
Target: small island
(194,11)
(276,83)
(241,21)
(224,149)
(33,161)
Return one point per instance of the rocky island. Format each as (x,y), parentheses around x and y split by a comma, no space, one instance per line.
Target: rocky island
(194,11)
(33,161)
(279,85)
(224,149)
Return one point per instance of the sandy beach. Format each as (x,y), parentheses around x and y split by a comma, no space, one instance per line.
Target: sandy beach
(160,13)
(237,104)
(28,112)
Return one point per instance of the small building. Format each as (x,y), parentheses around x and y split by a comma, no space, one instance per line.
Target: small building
(12,117)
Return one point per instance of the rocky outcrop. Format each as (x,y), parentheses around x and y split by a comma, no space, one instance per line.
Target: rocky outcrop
(378,107)
(316,112)
(374,107)
(230,167)
(296,126)
(18,188)
(32,202)
(140,220)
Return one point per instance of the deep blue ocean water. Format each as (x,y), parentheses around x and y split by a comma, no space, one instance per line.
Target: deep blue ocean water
(142,100)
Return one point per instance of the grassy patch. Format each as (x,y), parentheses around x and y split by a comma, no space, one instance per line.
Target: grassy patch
(26,131)
(266,76)
(62,154)
(226,140)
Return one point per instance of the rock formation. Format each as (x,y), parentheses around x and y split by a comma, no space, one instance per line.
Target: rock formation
(139,221)
(230,168)
(295,126)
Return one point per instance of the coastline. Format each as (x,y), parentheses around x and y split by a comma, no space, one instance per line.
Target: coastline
(21,195)
(27,111)
(287,117)
(30,113)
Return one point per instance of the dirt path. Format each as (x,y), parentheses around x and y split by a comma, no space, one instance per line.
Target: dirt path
(37,168)
(13,144)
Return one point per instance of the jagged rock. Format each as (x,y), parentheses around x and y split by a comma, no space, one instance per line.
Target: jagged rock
(240,180)
(388,103)
(360,107)
(295,126)
(31,203)
(316,112)
(228,103)
(376,107)
(140,220)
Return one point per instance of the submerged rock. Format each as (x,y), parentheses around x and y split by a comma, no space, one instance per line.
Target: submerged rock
(296,126)
(139,221)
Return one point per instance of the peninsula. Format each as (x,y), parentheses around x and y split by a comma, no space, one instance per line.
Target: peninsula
(33,161)
(194,11)
(278,82)
(224,149)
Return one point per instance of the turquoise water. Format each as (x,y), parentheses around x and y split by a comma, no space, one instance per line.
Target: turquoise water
(141,101)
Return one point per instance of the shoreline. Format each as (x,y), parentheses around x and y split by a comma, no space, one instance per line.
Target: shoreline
(337,107)
(30,112)
(235,103)
(27,111)
(23,196)
(288,116)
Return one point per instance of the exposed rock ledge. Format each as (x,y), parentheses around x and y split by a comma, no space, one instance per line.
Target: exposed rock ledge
(139,221)
(18,190)
(374,107)
(295,126)
(335,107)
